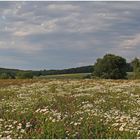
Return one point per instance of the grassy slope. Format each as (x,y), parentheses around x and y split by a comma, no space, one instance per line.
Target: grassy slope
(65,76)
(75,76)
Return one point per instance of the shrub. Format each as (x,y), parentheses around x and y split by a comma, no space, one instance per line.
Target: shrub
(110,67)
(4,76)
(24,75)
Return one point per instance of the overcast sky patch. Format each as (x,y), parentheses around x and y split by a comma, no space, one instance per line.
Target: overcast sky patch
(57,35)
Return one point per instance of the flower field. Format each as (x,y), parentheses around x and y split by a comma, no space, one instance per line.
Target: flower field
(70,109)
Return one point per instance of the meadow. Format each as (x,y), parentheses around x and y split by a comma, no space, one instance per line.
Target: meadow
(70,108)
(65,76)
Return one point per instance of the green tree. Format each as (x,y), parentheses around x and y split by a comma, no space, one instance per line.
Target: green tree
(136,68)
(135,63)
(4,76)
(24,75)
(110,67)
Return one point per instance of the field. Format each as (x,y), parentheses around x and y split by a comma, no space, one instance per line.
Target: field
(65,76)
(63,108)
(74,76)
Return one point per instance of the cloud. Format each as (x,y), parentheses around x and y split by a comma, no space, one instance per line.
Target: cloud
(131,43)
(63,7)
(66,34)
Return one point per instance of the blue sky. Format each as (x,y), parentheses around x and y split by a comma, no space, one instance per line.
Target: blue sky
(57,35)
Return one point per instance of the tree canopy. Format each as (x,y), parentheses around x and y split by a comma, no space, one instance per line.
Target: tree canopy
(136,67)
(25,75)
(110,67)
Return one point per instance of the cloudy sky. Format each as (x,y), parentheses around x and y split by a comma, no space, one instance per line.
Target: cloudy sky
(57,35)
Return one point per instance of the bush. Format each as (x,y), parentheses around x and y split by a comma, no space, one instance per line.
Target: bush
(87,76)
(110,67)
(136,68)
(136,74)
(4,76)
(24,75)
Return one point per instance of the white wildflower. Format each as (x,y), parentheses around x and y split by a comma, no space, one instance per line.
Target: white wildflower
(53,120)
(22,131)
(28,124)
(75,124)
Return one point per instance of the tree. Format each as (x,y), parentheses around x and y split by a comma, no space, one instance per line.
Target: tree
(4,76)
(24,75)
(135,63)
(110,67)
(136,67)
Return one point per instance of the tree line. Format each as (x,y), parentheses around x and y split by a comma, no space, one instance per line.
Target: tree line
(109,67)
(20,74)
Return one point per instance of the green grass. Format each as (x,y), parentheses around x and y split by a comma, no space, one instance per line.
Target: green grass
(130,75)
(74,76)
(65,76)
(55,109)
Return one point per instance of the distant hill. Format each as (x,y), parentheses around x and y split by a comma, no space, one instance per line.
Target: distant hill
(5,70)
(84,69)
(13,72)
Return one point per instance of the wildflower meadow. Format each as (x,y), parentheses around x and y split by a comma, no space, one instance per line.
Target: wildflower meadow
(79,109)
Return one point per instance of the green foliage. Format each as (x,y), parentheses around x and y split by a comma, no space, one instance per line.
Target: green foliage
(129,67)
(69,109)
(110,67)
(7,76)
(7,73)
(65,76)
(136,68)
(135,63)
(137,74)
(24,75)
(88,76)
(4,76)
(84,69)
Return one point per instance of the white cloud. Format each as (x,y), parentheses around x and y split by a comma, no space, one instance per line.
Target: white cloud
(63,7)
(44,27)
(74,29)
(2,45)
(131,43)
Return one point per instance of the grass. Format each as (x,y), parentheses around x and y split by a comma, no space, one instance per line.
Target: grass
(75,76)
(66,108)
(130,75)
(65,76)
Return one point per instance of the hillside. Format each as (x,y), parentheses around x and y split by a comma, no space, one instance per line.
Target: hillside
(84,69)
(13,72)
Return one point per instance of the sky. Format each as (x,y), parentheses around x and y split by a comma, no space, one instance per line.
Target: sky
(56,35)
